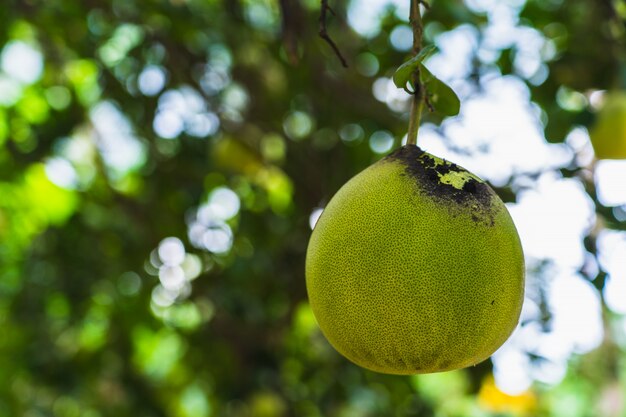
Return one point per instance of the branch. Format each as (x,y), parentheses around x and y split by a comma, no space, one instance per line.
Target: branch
(324,34)
(417,103)
(289,31)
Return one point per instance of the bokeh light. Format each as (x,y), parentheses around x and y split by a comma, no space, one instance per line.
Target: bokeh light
(22,62)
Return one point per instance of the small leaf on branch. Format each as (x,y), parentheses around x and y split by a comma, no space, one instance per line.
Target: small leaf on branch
(405,71)
(442,98)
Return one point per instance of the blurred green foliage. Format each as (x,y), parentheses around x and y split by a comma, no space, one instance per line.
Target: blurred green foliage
(159,161)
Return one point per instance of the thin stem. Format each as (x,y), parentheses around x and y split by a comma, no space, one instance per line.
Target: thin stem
(324,33)
(417,106)
(417,103)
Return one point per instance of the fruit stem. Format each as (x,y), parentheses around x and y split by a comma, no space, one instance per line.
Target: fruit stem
(417,103)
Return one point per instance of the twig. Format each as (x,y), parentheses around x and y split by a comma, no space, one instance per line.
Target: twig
(324,34)
(417,103)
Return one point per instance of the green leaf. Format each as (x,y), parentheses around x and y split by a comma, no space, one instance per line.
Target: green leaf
(441,96)
(405,71)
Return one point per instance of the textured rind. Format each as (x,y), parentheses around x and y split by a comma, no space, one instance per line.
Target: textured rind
(403,281)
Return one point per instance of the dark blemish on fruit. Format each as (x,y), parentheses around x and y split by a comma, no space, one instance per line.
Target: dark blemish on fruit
(474,197)
(445,169)
(493,301)
(470,186)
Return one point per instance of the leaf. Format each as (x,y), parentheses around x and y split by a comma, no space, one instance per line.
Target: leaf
(441,96)
(405,71)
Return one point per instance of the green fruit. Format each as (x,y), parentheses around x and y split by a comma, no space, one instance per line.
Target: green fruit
(608,135)
(415,266)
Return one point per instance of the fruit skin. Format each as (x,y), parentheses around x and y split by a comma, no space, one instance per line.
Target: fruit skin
(608,134)
(415,266)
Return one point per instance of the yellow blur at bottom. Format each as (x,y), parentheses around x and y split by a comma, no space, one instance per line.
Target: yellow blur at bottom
(492,399)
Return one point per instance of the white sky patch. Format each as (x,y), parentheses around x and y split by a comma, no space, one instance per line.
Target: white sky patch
(122,151)
(22,62)
(385,90)
(453,61)
(364,15)
(611,249)
(549,372)
(578,140)
(184,109)
(163,297)
(10,91)
(223,204)
(172,277)
(218,238)
(168,125)
(552,220)
(381,141)
(493,6)
(61,172)
(577,314)
(575,327)
(529,43)
(401,38)
(171,251)
(501,31)
(612,258)
(500,134)
(615,289)
(208,228)
(315,216)
(511,370)
(152,80)
(610,182)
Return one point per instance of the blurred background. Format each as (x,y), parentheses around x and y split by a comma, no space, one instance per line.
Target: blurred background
(162,164)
